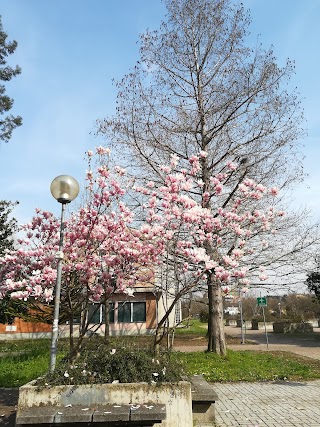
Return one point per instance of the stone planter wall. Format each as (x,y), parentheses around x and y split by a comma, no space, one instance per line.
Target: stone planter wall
(238,323)
(260,325)
(176,398)
(287,327)
(230,322)
(255,325)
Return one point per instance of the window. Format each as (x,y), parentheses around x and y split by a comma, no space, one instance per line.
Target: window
(111,313)
(97,313)
(138,311)
(94,313)
(124,312)
(129,312)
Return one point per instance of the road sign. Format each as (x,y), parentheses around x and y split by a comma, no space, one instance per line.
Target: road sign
(262,302)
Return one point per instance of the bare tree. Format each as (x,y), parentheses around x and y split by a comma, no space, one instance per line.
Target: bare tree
(198,88)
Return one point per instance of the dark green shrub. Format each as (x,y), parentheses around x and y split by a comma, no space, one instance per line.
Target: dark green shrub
(204,316)
(107,365)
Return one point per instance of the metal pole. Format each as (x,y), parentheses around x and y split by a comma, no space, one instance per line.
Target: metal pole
(279,304)
(55,325)
(265,328)
(241,317)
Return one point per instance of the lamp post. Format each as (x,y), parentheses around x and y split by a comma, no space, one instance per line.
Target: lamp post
(279,305)
(64,189)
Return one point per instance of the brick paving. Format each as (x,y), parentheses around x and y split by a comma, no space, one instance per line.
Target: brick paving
(268,404)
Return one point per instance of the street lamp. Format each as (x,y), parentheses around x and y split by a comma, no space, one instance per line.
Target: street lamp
(279,305)
(64,189)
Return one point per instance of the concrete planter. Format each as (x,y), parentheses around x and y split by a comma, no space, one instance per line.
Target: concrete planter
(256,325)
(230,322)
(288,327)
(176,398)
(239,323)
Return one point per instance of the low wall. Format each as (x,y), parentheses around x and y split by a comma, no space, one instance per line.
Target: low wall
(285,327)
(256,326)
(176,398)
(24,336)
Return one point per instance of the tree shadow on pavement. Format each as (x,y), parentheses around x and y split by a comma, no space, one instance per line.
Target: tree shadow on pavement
(8,402)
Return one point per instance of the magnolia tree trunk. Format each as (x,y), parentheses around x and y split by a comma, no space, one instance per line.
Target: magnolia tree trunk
(106,322)
(216,336)
(71,333)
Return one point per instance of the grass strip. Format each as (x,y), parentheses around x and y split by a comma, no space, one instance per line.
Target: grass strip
(250,366)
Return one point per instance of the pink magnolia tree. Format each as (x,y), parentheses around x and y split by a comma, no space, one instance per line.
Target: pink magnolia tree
(103,253)
(107,242)
(207,244)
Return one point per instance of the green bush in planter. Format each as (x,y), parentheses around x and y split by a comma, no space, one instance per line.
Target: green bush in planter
(112,365)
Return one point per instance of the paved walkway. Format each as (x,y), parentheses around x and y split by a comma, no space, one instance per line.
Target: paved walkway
(285,404)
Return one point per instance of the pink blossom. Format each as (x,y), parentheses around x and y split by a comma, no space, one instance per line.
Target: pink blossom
(237,253)
(119,170)
(261,188)
(206,196)
(165,169)
(193,159)
(174,160)
(218,189)
(103,150)
(274,191)
(232,166)
(243,188)
(37,291)
(20,295)
(249,183)
(209,265)
(241,273)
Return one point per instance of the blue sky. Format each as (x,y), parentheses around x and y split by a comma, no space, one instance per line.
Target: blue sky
(69,51)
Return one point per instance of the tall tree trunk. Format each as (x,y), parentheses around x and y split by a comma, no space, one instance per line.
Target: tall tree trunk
(216,336)
(106,322)
(71,336)
(157,339)
(189,310)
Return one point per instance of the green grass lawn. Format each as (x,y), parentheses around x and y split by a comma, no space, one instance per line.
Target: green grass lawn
(250,366)
(194,326)
(23,361)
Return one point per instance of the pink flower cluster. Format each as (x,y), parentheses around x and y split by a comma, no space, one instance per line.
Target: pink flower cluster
(105,250)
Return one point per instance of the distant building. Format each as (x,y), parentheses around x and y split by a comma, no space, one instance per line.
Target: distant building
(128,315)
(231,310)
